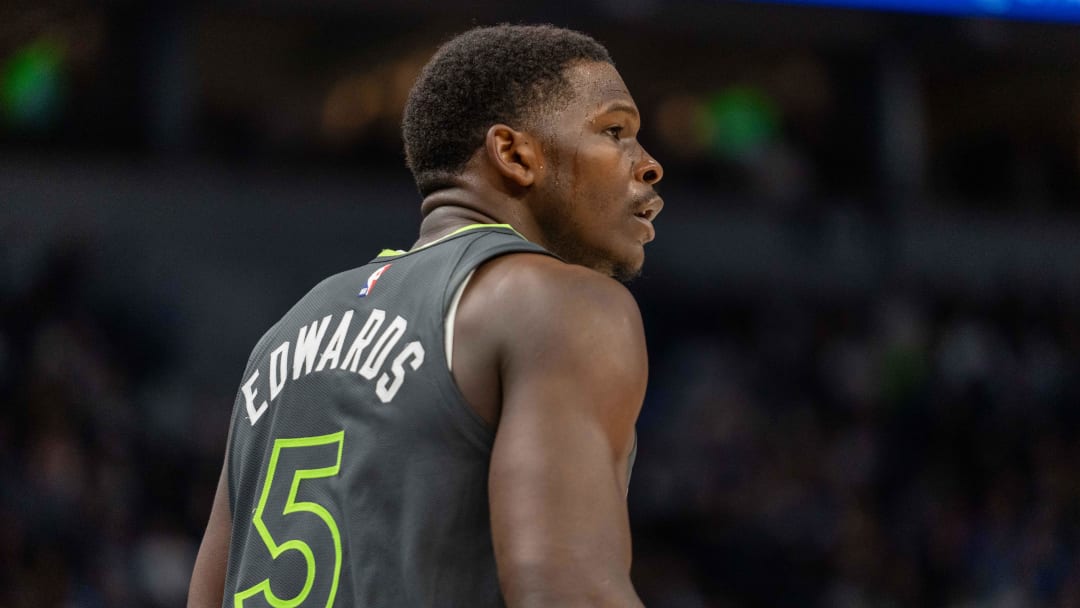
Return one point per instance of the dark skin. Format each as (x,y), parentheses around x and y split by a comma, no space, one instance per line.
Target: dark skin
(551,354)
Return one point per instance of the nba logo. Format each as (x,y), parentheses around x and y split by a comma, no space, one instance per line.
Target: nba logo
(371,281)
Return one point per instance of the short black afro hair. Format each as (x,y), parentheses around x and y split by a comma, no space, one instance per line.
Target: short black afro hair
(487,75)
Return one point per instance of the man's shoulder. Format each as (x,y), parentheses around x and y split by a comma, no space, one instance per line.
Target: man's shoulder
(524,282)
(527,299)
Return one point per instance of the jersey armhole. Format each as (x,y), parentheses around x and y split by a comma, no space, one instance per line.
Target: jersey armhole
(451,316)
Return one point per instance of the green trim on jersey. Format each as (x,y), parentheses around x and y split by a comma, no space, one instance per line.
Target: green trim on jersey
(389,253)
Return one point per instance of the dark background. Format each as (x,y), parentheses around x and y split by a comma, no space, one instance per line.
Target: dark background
(862,304)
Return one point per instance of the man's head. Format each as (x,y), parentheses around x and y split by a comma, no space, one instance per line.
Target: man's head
(503,74)
(545,111)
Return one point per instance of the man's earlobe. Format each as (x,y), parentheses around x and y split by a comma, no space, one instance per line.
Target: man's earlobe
(513,154)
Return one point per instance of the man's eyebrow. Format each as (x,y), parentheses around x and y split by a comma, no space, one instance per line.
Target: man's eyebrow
(621,106)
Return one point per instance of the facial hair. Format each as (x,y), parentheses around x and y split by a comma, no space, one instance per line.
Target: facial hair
(561,239)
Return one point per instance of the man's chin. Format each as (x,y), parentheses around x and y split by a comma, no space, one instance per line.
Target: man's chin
(625,273)
(623,270)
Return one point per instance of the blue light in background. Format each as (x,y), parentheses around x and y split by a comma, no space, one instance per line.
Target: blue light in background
(1036,10)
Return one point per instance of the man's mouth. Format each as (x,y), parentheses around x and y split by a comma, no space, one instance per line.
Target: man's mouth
(645,218)
(649,209)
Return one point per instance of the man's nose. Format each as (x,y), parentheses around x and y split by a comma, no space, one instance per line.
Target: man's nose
(648,170)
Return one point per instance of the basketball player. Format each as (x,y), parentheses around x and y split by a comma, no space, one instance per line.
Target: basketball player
(453,425)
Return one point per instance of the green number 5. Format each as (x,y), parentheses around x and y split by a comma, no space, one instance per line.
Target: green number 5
(298,452)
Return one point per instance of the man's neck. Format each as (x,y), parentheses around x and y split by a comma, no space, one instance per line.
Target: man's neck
(444,213)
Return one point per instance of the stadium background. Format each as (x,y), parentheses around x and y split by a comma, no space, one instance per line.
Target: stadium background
(862,305)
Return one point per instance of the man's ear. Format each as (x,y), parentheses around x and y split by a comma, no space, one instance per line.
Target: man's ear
(514,154)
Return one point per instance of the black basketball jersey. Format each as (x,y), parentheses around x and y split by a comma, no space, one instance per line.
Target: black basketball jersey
(357,471)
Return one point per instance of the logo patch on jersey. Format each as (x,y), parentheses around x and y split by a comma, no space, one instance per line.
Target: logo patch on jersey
(372,280)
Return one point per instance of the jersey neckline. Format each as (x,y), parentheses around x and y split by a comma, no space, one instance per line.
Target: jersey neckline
(391,253)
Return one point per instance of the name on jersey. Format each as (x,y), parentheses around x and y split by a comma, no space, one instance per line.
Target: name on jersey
(383,363)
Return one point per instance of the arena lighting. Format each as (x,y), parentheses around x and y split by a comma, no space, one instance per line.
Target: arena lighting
(1032,10)
(740,121)
(32,85)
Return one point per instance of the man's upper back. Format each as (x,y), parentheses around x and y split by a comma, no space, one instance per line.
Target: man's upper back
(356,468)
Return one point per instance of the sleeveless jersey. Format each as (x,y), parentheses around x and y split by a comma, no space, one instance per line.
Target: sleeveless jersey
(357,471)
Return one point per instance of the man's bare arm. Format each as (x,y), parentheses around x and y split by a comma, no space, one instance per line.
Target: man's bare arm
(207,586)
(573,371)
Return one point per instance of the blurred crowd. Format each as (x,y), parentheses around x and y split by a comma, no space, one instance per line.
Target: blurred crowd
(912,448)
(103,496)
(906,449)
(881,443)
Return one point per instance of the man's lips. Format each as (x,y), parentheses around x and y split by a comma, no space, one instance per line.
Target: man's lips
(646,212)
(649,206)
(650,231)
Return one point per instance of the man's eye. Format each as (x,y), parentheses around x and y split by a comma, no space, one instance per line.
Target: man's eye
(615,131)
